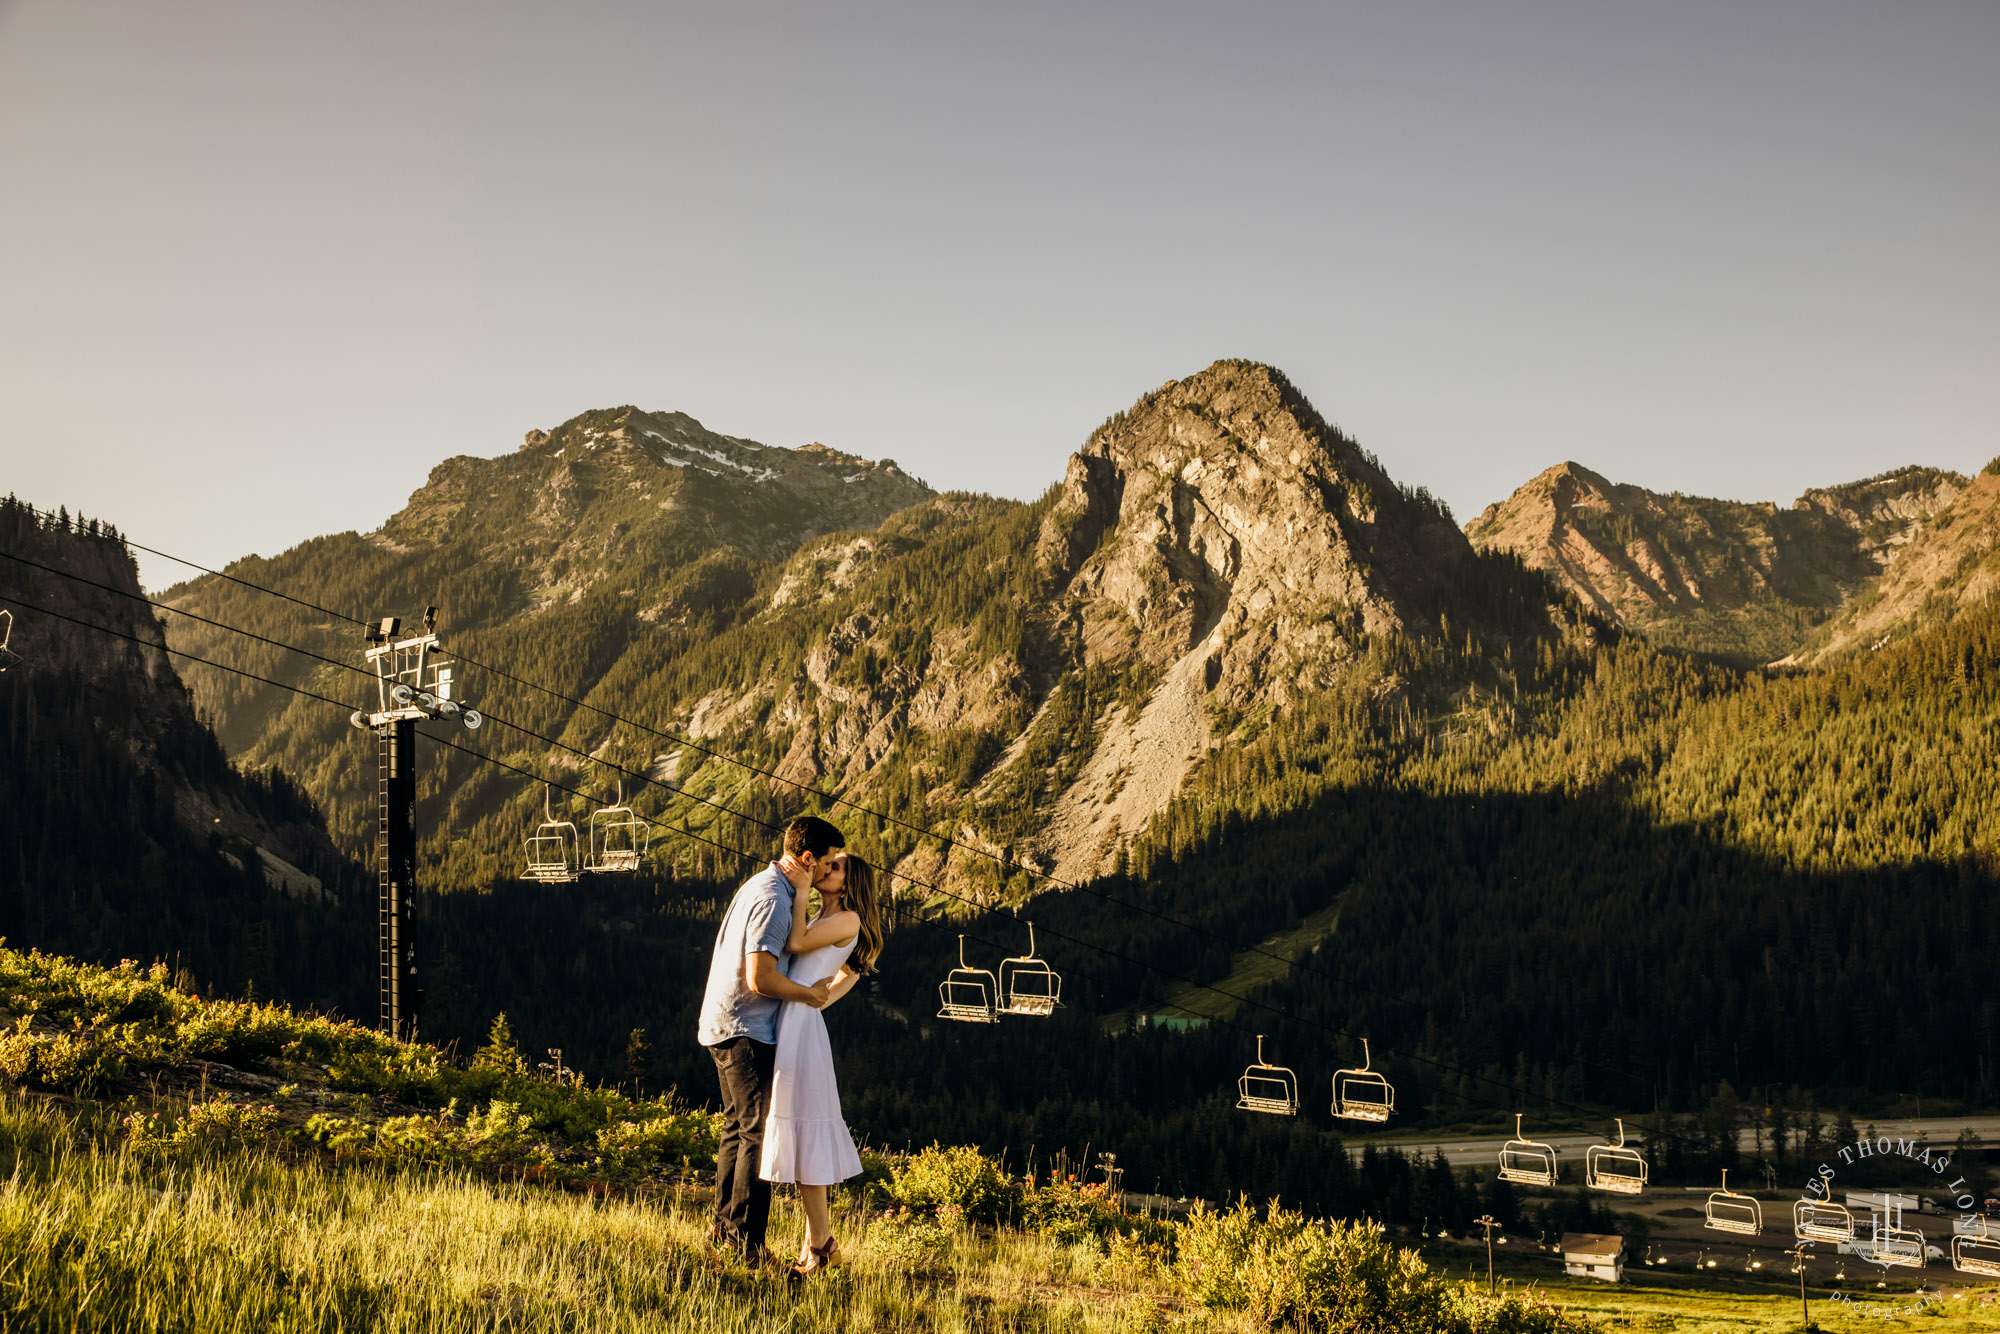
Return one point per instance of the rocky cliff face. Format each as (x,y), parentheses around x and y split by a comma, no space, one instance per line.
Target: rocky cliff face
(615,527)
(1221,518)
(1936,568)
(1744,580)
(1221,537)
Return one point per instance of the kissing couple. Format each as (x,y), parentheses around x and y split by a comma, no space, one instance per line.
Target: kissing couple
(776,966)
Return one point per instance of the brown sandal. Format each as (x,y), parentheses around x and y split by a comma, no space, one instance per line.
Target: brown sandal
(817,1258)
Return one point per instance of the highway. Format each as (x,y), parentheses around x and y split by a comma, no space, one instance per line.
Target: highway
(1938,1132)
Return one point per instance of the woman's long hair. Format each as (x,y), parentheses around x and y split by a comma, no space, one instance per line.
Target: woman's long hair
(859,893)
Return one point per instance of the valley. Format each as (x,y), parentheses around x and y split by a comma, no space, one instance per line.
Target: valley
(1253,733)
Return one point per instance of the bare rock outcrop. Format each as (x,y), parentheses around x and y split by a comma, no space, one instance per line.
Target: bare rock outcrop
(1221,515)
(1748,579)
(1224,536)
(1938,568)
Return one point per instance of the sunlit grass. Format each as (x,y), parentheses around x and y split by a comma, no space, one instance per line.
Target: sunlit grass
(97,1236)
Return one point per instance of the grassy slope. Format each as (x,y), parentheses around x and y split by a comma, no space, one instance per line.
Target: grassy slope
(348,1197)
(96,1234)
(1250,969)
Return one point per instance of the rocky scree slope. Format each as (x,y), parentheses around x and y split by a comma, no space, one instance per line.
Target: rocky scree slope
(1747,581)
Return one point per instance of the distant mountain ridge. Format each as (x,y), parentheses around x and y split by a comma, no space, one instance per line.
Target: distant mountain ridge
(1947,566)
(1745,580)
(127,833)
(1044,677)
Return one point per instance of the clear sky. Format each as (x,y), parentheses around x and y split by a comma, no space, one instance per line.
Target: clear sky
(263,264)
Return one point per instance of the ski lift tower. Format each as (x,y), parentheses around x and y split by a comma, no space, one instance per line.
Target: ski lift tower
(413,679)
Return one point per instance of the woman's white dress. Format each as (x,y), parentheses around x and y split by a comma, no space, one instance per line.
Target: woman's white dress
(805,1140)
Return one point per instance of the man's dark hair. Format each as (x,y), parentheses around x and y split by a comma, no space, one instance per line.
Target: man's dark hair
(809,833)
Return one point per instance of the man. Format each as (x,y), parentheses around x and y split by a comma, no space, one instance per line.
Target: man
(739,1021)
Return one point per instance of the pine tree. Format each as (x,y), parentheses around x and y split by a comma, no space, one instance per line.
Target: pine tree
(501,1051)
(637,1053)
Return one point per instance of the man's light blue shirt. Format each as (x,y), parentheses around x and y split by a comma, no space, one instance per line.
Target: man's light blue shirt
(759,920)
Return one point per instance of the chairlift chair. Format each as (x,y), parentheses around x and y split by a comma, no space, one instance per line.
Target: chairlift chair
(618,837)
(1526,1161)
(1268,1088)
(1729,1211)
(7,656)
(552,858)
(1362,1095)
(1976,1251)
(1888,1245)
(1028,986)
(968,994)
(1822,1220)
(1614,1167)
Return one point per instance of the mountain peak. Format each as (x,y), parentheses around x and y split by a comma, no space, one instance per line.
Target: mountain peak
(1222,534)
(574,492)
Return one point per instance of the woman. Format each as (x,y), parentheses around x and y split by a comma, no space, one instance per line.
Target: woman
(805,1140)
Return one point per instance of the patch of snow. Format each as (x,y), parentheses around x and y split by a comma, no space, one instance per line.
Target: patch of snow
(754,475)
(854,477)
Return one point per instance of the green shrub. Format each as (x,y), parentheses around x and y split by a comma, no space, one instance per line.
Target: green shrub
(498,1134)
(1212,1253)
(1516,1313)
(959,1177)
(686,1137)
(1286,1271)
(79,1063)
(406,1073)
(911,1241)
(217,1123)
(220,1121)
(878,1176)
(1067,1210)
(345,1136)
